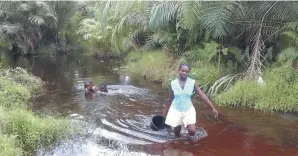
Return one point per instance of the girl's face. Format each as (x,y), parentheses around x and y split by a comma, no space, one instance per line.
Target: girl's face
(89,86)
(183,72)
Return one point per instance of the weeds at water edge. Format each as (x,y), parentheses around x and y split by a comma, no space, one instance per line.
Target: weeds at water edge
(21,131)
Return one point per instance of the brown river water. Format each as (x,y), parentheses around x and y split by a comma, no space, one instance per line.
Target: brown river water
(118,123)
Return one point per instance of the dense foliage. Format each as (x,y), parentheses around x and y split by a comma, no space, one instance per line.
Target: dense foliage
(25,26)
(228,43)
(21,131)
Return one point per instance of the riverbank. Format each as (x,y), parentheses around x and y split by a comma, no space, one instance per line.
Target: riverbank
(276,94)
(22,132)
(119,123)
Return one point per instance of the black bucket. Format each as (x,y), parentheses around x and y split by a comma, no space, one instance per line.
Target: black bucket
(158,123)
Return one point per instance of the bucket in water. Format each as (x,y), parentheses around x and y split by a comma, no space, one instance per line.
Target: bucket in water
(158,123)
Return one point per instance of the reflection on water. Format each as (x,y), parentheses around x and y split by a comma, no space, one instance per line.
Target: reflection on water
(118,121)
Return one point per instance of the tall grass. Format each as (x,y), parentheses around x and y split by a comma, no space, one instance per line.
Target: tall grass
(205,74)
(278,94)
(158,66)
(21,131)
(22,77)
(8,146)
(33,131)
(154,65)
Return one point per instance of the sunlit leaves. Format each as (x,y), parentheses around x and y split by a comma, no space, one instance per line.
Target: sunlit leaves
(190,14)
(36,20)
(24,20)
(216,18)
(89,28)
(162,13)
(288,54)
(7,28)
(25,7)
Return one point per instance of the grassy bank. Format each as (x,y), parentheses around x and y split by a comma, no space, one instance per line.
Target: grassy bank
(277,94)
(21,131)
(154,66)
(159,67)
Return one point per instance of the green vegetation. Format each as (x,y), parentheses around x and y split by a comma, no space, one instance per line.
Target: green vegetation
(21,131)
(155,66)
(8,146)
(230,44)
(25,26)
(277,94)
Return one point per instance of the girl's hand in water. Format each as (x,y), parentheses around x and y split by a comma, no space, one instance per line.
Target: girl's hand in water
(215,112)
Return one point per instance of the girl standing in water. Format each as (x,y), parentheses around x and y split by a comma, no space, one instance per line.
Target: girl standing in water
(179,110)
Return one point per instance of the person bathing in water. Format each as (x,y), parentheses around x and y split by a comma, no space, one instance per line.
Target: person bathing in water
(89,87)
(179,110)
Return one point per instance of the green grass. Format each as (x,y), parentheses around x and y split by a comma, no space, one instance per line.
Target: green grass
(205,74)
(278,94)
(22,77)
(8,146)
(33,131)
(155,65)
(21,131)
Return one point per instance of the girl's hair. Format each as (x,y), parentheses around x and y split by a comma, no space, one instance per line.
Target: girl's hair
(184,64)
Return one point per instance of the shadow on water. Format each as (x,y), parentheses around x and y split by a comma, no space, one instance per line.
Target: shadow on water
(118,122)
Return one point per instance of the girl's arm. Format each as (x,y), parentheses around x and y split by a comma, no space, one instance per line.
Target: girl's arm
(205,98)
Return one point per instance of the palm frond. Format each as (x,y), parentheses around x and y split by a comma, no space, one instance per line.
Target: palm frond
(104,13)
(38,20)
(277,11)
(189,14)
(292,34)
(88,36)
(255,66)
(130,20)
(292,26)
(216,18)
(288,54)
(2,14)
(222,84)
(153,40)
(44,6)
(52,16)
(23,46)
(89,28)
(162,13)
(25,7)
(7,28)
(291,31)
(272,16)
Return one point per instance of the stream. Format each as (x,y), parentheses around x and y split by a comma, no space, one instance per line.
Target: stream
(118,123)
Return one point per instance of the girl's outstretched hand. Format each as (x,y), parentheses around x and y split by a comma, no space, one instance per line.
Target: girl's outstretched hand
(215,112)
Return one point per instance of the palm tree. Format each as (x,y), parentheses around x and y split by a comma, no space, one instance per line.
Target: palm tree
(23,22)
(243,24)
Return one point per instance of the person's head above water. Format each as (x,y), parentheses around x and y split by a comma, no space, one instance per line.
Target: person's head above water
(89,86)
(183,71)
(103,88)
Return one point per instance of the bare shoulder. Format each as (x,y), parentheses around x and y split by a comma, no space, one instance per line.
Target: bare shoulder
(196,83)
